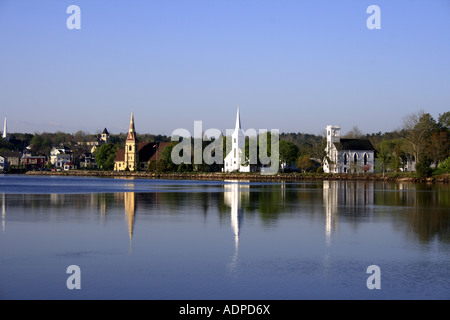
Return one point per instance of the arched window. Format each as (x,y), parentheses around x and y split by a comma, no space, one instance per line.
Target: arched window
(355,158)
(365,158)
(345,158)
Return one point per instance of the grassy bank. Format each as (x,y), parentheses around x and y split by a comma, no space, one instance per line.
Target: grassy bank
(394,177)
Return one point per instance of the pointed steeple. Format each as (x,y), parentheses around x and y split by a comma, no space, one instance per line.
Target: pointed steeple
(5,132)
(131,131)
(238,120)
(132,121)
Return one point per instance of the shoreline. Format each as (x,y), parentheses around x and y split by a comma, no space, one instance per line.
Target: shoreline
(256,177)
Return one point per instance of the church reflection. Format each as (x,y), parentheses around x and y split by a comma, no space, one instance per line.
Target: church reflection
(349,199)
(3,212)
(234,194)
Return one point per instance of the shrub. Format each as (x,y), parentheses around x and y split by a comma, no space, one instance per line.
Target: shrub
(423,168)
(444,166)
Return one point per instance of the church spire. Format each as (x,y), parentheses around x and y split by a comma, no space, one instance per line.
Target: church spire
(238,120)
(5,132)
(131,131)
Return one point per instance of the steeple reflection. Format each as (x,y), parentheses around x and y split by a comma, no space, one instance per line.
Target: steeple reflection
(234,193)
(3,212)
(130,209)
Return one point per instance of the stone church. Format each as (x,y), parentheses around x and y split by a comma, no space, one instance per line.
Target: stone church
(347,155)
(136,155)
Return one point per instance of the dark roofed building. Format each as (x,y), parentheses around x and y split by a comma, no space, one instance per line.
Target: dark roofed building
(347,155)
(12,157)
(148,151)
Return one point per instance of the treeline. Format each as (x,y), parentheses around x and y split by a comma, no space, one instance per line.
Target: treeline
(421,140)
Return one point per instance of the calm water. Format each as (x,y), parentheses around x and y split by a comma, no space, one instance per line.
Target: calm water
(160,239)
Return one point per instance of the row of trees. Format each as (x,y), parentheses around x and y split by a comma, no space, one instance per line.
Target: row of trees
(422,140)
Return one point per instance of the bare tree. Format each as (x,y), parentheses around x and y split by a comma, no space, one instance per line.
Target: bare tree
(355,133)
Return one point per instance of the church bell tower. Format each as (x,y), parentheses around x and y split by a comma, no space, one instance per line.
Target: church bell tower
(131,148)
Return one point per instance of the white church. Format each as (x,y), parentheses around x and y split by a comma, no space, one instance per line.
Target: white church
(235,160)
(347,155)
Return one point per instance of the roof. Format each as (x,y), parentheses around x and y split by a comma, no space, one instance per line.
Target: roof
(160,148)
(354,144)
(120,155)
(10,154)
(147,151)
(105,131)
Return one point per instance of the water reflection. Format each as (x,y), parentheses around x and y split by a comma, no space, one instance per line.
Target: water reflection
(346,198)
(3,212)
(234,193)
(420,210)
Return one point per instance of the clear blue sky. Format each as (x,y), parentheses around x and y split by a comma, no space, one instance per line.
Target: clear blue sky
(291,65)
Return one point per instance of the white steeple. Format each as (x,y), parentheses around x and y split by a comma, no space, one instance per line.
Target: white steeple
(235,159)
(238,120)
(5,132)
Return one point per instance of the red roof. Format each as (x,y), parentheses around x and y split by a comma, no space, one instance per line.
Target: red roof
(147,151)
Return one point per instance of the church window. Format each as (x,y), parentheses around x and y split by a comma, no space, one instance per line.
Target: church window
(129,148)
(235,153)
(345,158)
(365,158)
(234,140)
(355,158)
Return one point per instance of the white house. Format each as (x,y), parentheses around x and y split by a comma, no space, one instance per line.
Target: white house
(60,155)
(69,166)
(235,160)
(347,155)
(4,165)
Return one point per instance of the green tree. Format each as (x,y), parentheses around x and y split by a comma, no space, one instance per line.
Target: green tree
(423,168)
(444,120)
(105,155)
(304,162)
(418,127)
(384,155)
(288,152)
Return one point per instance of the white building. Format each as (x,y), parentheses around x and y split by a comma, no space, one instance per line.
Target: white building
(235,160)
(4,165)
(60,155)
(347,155)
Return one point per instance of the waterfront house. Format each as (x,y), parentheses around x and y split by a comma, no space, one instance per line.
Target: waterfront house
(69,166)
(12,157)
(33,162)
(87,160)
(60,155)
(3,164)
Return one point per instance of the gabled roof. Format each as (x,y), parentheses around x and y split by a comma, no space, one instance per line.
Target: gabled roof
(147,151)
(120,155)
(354,144)
(105,131)
(160,148)
(10,154)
